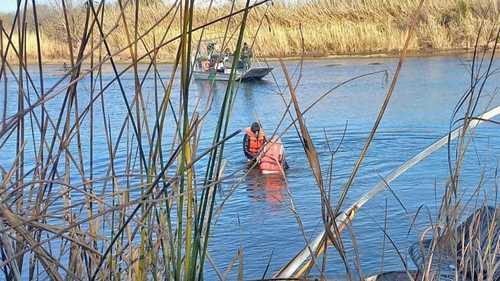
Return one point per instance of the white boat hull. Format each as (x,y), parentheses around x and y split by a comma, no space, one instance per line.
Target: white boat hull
(269,172)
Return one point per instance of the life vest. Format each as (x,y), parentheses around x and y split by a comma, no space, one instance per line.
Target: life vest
(272,160)
(255,142)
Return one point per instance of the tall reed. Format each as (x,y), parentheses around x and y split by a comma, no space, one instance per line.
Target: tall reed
(139,214)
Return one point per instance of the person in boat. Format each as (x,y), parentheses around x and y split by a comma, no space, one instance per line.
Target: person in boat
(246,55)
(227,54)
(219,66)
(210,50)
(253,141)
(228,58)
(272,159)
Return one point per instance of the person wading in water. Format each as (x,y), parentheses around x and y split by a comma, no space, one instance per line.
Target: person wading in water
(253,141)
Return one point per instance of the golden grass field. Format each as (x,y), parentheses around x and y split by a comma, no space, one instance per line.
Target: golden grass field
(328,27)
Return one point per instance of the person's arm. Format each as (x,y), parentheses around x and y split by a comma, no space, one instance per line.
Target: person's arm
(285,163)
(245,147)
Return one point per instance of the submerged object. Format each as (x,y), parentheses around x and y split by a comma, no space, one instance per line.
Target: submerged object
(472,252)
(272,160)
(394,276)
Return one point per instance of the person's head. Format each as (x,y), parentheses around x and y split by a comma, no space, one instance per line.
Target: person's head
(255,127)
(245,44)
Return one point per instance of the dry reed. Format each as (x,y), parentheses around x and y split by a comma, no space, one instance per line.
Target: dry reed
(149,219)
(328,27)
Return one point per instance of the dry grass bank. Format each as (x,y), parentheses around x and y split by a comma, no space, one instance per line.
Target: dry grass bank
(374,26)
(328,27)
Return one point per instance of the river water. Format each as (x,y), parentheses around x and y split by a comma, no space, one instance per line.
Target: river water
(258,215)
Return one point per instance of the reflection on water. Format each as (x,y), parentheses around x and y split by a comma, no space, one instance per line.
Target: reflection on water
(270,188)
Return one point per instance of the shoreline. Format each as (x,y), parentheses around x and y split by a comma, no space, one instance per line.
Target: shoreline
(361,55)
(371,55)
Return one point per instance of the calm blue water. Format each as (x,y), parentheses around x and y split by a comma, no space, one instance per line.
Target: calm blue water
(257,213)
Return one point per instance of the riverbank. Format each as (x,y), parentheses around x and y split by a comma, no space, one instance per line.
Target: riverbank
(411,54)
(374,28)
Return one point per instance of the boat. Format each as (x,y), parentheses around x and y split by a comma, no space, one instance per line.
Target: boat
(214,65)
(253,73)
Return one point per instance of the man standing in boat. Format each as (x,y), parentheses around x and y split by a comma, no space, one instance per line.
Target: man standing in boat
(253,141)
(246,55)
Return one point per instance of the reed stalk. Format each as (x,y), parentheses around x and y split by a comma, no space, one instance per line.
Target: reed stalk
(114,233)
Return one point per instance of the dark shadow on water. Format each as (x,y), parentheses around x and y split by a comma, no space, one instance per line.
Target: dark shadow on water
(333,65)
(219,87)
(257,82)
